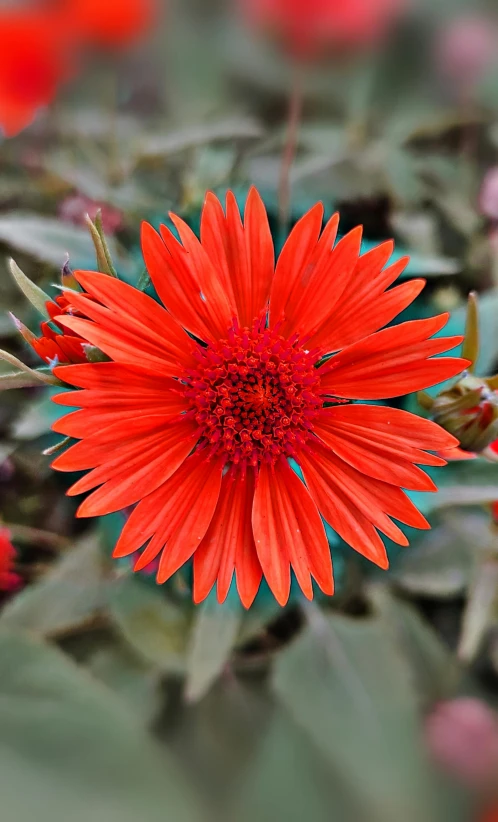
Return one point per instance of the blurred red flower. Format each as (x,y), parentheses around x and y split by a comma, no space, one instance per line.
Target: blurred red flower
(9,580)
(107,23)
(490,815)
(308,27)
(33,62)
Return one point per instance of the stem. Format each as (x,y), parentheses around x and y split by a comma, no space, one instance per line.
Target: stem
(293,120)
(43,539)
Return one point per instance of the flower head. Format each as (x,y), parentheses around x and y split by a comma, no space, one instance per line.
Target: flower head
(310,27)
(205,405)
(9,580)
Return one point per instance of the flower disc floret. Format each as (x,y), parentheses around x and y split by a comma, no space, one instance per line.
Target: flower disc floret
(254,394)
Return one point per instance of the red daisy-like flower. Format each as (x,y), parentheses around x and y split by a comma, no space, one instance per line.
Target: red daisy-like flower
(206,401)
(56,347)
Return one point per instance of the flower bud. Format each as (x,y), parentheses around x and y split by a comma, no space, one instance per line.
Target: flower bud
(469,411)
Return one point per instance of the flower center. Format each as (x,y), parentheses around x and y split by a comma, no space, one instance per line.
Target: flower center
(254,394)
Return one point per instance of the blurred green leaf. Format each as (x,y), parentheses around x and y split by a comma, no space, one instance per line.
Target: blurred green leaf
(214,634)
(164,144)
(434,670)
(155,627)
(69,594)
(32,292)
(480,609)
(46,238)
(315,792)
(134,681)
(342,675)
(440,562)
(70,750)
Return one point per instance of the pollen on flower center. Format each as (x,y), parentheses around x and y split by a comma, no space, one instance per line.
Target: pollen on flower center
(254,394)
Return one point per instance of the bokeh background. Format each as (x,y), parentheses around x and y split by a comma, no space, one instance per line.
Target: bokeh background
(119,699)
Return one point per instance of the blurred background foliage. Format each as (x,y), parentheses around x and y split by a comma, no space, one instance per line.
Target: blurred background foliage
(119,699)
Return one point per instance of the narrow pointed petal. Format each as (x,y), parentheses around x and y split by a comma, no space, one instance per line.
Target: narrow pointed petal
(356,505)
(385,443)
(229,542)
(243,253)
(288,532)
(392,362)
(176,516)
(293,261)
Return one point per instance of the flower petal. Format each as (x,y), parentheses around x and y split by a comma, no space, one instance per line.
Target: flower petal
(326,278)
(186,280)
(229,542)
(131,471)
(385,443)
(392,362)
(243,253)
(293,260)
(133,310)
(356,505)
(288,532)
(176,516)
(111,376)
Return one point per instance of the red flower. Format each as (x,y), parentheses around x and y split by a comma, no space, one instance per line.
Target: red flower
(9,581)
(199,434)
(53,347)
(32,64)
(491,815)
(109,24)
(309,27)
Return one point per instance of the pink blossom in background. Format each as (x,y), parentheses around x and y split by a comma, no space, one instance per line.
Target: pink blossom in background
(466,49)
(488,196)
(462,737)
(75,207)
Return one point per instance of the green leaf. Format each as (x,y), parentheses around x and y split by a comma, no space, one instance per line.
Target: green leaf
(104,258)
(33,292)
(69,749)
(288,779)
(48,239)
(213,637)
(39,376)
(434,670)
(67,596)
(162,145)
(18,379)
(154,626)
(440,563)
(480,609)
(136,683)
(343,675)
